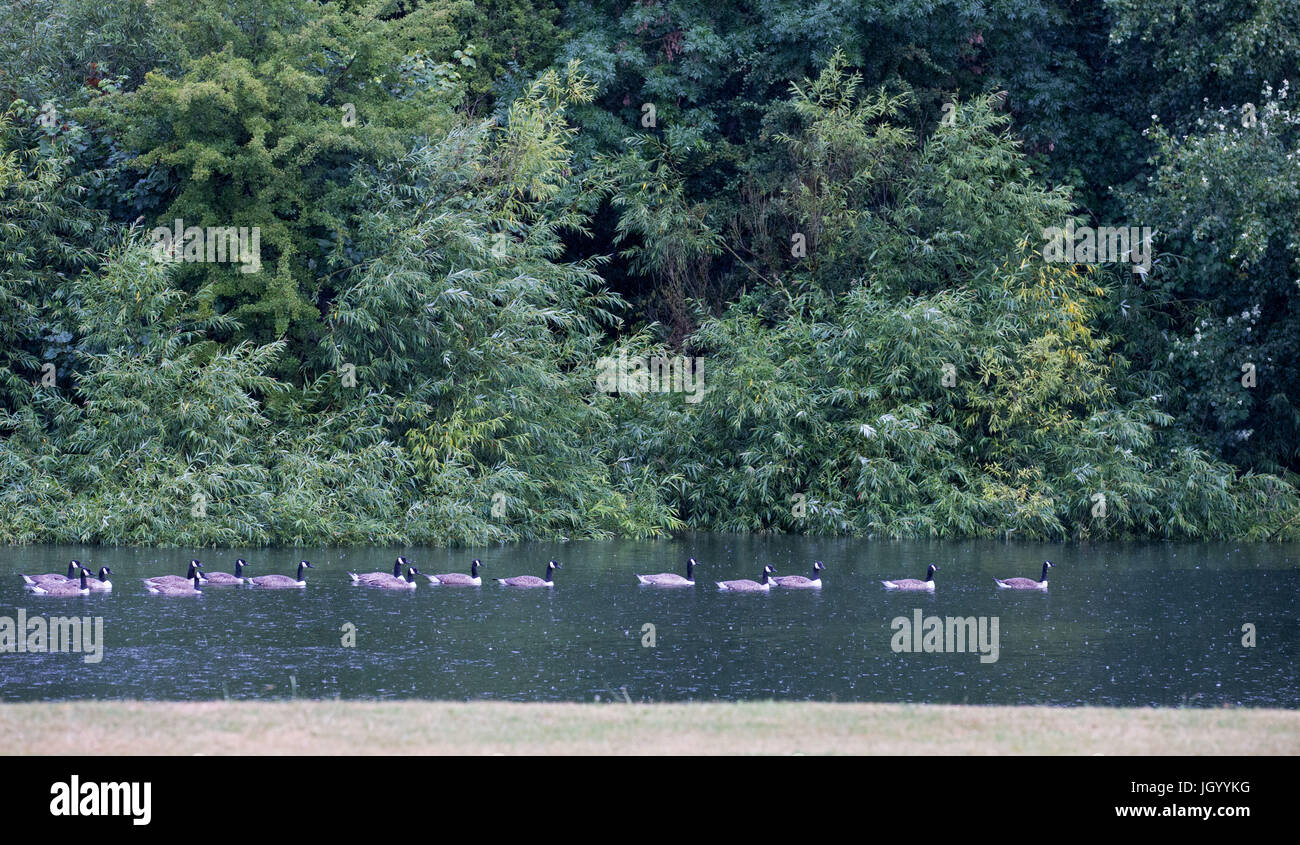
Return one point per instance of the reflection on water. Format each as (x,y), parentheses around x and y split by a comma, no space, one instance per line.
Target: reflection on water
(1122,624)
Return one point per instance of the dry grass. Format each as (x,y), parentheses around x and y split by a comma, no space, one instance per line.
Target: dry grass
(436,727)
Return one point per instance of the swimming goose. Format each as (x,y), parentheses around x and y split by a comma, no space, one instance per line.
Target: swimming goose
(744,585)
(365,578)
(1026,583)
(912,583)
(176,580)
(191,589)
(459,579)
(798,582)
(103,585)
(64,588)
(533,580)
(671,579)
(281,582)
(225,579)
(390,582)
(74,566)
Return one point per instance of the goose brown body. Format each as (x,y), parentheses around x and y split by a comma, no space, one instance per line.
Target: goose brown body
(532,580)
(191,589)
(282,582)
(177,580)
(670,579)
(389,582)
(65,588)
(914,583)
(744,585)
(363,579)
(459,579)
(74,566)
(1025,583)
(225,579)
(101,584)
(799,582)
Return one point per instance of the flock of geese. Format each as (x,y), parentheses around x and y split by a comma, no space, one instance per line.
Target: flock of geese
(79,582)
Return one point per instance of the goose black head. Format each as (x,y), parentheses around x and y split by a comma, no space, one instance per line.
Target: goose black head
(929,573)
(306,563)
(818,566)
(554,565)
(1048,564)
(241,562)
(104,572)
(73,566)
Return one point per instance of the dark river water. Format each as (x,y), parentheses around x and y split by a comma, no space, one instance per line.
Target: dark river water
(1122,624)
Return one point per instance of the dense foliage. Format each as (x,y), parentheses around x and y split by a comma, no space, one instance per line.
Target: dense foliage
(467,209)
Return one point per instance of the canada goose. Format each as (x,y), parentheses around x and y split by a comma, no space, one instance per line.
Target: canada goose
(365,578)
(744,585)
(281,582)
(798,582)
(459,579)
(390,582)
(671,579)
(74,566)
(1026,583)
(191,589)
(103,585)
(912,583)
(64,588)
(176,580)
(533,580)
(225,579)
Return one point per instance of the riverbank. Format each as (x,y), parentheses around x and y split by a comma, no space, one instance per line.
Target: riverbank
(438,727)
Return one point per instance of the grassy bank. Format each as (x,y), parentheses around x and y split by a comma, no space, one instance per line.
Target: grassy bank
(432,727)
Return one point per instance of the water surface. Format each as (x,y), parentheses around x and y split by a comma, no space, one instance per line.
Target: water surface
(1122,624)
